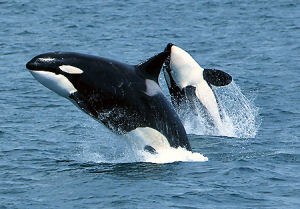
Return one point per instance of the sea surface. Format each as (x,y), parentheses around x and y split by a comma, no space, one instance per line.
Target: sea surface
(54,156)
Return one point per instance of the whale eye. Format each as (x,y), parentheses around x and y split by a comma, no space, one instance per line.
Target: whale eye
(70,69)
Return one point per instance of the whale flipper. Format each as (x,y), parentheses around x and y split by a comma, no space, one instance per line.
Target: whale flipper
(150,149)
(217,77)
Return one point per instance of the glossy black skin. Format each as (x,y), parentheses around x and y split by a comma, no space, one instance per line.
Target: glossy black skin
(114,93)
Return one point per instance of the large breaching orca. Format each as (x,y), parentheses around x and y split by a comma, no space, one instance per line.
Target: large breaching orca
(189,84)
(122,97)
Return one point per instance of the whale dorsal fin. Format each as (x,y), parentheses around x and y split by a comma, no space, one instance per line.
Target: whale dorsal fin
(217,77)
(151,67)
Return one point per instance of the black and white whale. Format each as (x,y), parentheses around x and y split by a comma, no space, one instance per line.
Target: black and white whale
(122,97)
(189,84)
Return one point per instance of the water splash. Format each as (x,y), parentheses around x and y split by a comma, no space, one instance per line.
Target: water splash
(240,115)
(240,119)
(173,155)
(131,150)
(163,156)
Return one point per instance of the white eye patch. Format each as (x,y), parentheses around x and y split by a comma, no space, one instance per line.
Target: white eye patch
(70,69)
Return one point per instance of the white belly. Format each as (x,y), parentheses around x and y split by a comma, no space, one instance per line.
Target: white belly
(206,96)
(149,136)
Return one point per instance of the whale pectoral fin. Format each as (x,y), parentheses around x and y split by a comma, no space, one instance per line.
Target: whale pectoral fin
(151,68)
(82,105)
(217,77)
(190,95)
(190,92)
(150,149)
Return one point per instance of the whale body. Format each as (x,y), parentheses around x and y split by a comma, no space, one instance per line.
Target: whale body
(190,85)
(123,97)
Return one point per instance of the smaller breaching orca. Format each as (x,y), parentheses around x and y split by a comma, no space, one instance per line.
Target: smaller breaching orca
(189,84)
(122,97)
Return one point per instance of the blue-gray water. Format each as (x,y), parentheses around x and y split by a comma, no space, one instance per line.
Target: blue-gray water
(51,153)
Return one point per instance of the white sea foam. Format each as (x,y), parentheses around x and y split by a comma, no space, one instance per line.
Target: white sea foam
(127,149)
(173,155)
(163,156)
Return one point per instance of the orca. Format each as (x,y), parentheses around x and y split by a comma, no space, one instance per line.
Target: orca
(189,84)
(123,97)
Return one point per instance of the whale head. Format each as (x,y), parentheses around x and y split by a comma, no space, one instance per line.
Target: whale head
(182,68)
(53,70)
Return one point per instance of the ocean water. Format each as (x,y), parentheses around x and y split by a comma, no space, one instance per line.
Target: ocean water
(54,156)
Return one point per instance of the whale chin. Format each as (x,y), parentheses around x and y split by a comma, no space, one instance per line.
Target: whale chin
(55,82)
